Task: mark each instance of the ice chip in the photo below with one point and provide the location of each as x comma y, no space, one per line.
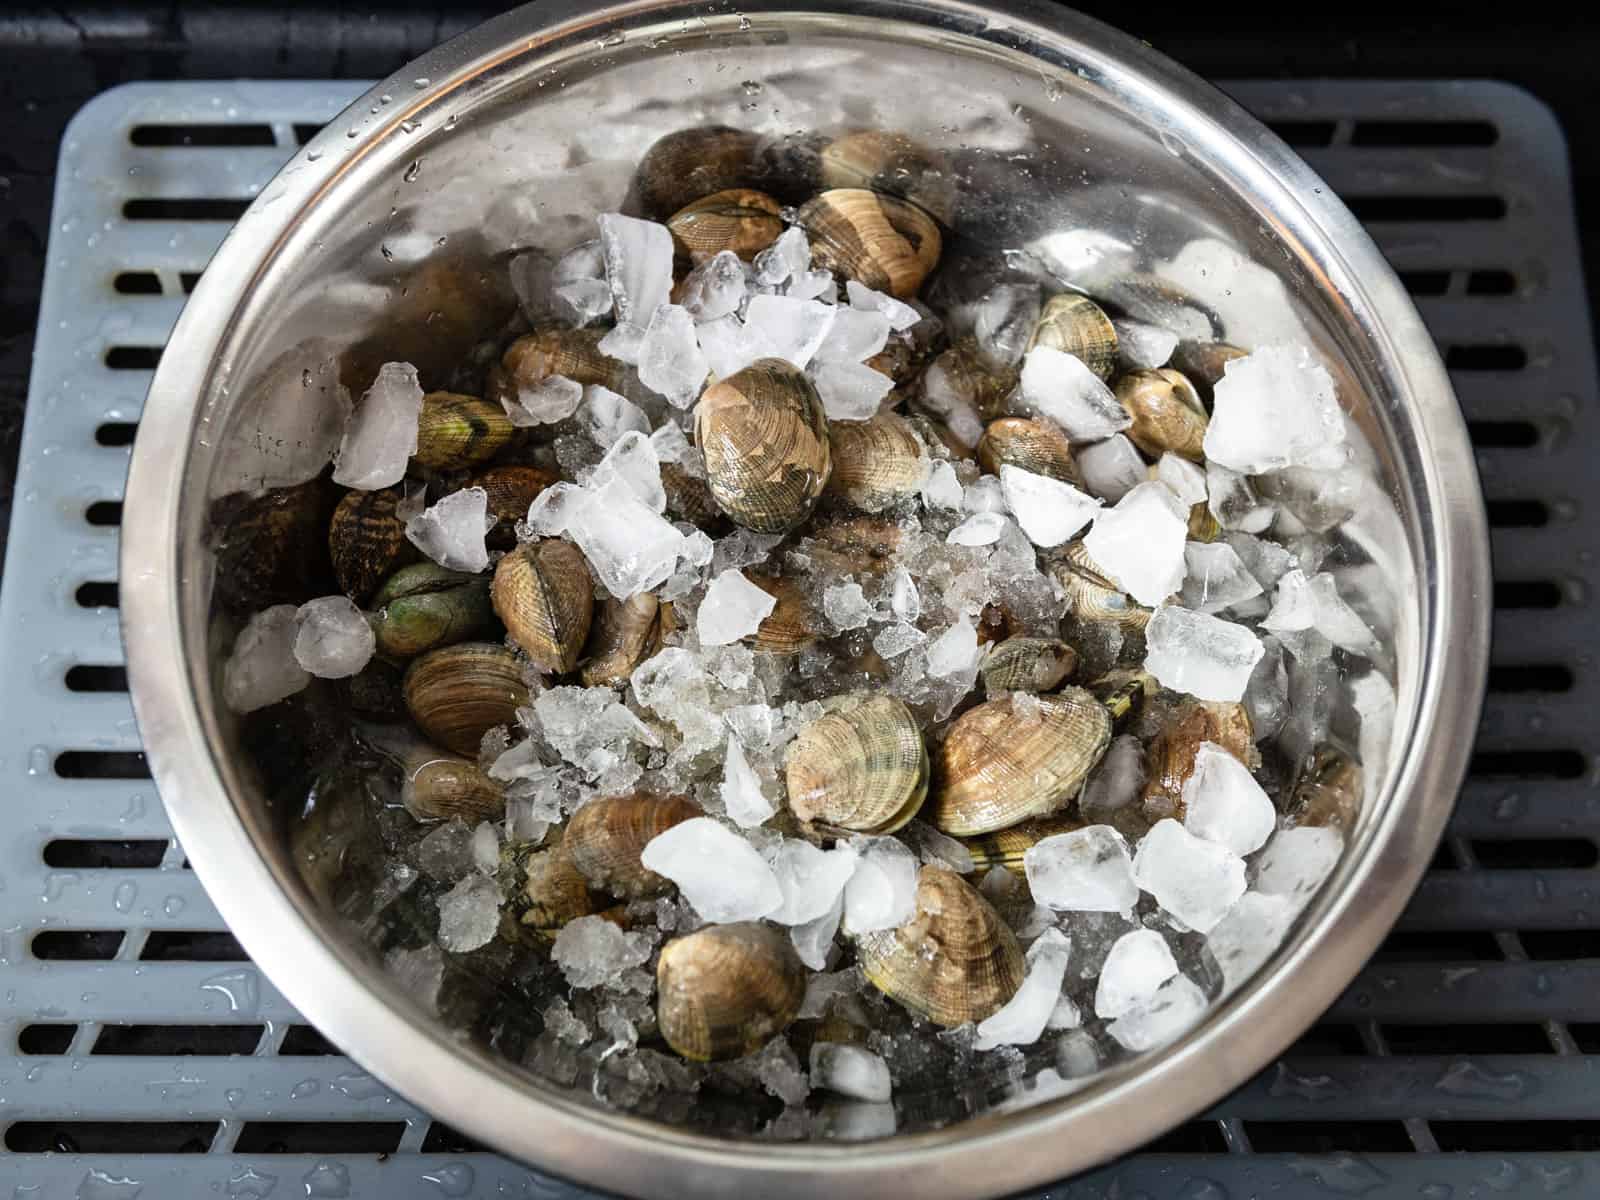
624,342
900,314
1195,880
1224,804
1176,1007
882,892
554,508
812,285
606,416
741,793
787,328
1111,469
854,336
728,346
630,548
632,462
814,939
950,397
1372,697
1140,543
983,495
1294,607
1187,481
582,301
1296,861
586,260
715,288
1267,561
846,606
1215,577
485,847
1205,656
592,952
263,668
469,914
638,261
954,653
670,362
942,489
812,880
1139,962
718,872
894,640
451,532
1087,870
552,399
1023,1018
1116,781
1274,408
849,1071
1061,389
1049,510
849,391
980,529
334,640
1142,346
1247,936
381,434
733,608
1004,321
786,257
1233,500
1337,621
446,853
671,446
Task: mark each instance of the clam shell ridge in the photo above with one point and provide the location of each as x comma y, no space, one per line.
882,241
877,462
863,767
606,836
724,991
458,693
543,593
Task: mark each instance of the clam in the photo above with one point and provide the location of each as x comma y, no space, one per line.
955,961
689,163
877,463
1076,325
689,499
1203,523
884,161
375,691
941,441
1170,754
544,594
455,431
1005,847
765,441
367,542
1028,664
273,548
458,693
997,623
861,767
738,219
438,786
606,836
1002,763
1031,445
543,888
623,635
424,606
510,489
856,543
881,241
961,374
1202,363
572,353
1166,411
898,360
1327,790
1125,692
725,990
791,626
1091,595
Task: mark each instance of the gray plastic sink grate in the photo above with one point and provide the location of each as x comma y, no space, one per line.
143,1055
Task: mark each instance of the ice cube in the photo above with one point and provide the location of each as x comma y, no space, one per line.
850,1071
552,399
1296,861
593,952
983,495
854,1121
1087,870
586,260
1142,346
954,653
485,849
451,531
531,274
901,315
263,668
671,446
630,548
554,508
1176,1007
882,892
846,606
670,362
812,285
1140,543
1294,608
732,609
743,548
1372,697
854,336
715,288
728,346
381,434
1139,962
1004,321
606,416
624,342
1111,469
1205,656
717,871
1224,804
980,529
1049,510
1267,561
1024,1017
1337,621
942,488
1266,696
1195,880
1065,1016
937,848
469,914
1059,388
812,880
849,391
446,853
1247,936
1116,782
814,939
334,640
638,259
787,328
741,793
948,397
1187,481
894,640
1215,577
905,601
1275,408
632,462
786,257
1233,501
582,301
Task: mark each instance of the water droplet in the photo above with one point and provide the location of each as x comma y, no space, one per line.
329,1180
413,171
751,87
1345,1174
100,1185
387,253
421,82
352,132
450,121
313,155
1202,1189
1436,1191
358,1085
33,1074
1468,1079
615,38
123,898
1506,1176
1306,1087
38,761
242,990
306,1087
410,126
385,98
1174,144
744,23
234,1097
1557,1177
251,1183
135,809
173,905
58,882
453,1179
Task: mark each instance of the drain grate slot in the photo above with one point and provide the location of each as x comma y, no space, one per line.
320,1137
110,1137
153,1040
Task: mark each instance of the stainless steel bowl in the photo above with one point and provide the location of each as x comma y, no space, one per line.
385,237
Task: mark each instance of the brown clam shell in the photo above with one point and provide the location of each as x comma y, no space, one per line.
886,243
738,219
1005,847
1203,363
725,990
862,767
624,633
606,836
1166,411
792,624
1031,445
544,594
986,387
456,431
1169,756
689,163
544,890
1076,325
273,548
510,489
885,161
1028,664
1092,596
689,499
367,542
573,353
877,463
438,786
458,693
1327,790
